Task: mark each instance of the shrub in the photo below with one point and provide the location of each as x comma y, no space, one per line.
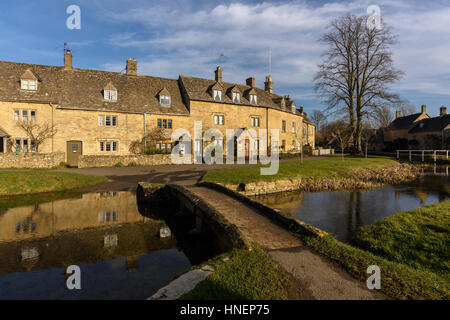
132,164
118,164
151,151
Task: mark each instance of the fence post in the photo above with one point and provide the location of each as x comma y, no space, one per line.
434,155
410,156
398,154
423,156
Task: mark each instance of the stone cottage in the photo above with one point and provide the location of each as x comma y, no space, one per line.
101,113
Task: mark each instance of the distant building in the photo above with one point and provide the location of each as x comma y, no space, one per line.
419,130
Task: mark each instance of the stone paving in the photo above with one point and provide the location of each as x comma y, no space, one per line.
317,277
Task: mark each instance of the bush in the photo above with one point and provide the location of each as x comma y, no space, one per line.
61,165
132,164
118,164
151,151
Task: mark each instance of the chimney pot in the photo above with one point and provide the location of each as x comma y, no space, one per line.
218,73
398,114
131,67
251,82
301,109
424,108
443,111
68,60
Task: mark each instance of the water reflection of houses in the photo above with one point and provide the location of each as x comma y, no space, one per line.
94,227
286,202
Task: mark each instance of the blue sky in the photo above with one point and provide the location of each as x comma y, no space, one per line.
169,38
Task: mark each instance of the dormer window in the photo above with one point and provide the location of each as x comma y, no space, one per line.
217,94
28,81
110,95
293,108
236,97
110,92
26,84
164,97
164,100
253,99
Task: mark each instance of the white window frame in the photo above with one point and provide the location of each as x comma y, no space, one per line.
101,120
256,122
28,84
16,115
164,100
101,146
294,129
25,115
217,93
253,99
236,97
33,117
110,95
219,120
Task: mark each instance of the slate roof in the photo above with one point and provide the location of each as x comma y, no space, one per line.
431,124
404,122
200,90
83,89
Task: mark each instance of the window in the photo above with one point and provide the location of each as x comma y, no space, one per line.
217,95
108,146
28,84
255,121
18,145
236,97
108,121
293,108
32,146
283,145
293,127
164,123
24,115
25,145
110,95
164,100
253,99
16,115
33,115
283,125
219,120
293,144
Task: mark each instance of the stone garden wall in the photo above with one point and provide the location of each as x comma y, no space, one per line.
129,160
31,160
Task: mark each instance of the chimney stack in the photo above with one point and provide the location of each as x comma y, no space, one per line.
67,60
301,109
218,73
424,108
398,114
131,67
250,82
443,111
268,85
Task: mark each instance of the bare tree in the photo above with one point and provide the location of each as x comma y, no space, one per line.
381,116
357,69
318,118
342,133
152,137
37,133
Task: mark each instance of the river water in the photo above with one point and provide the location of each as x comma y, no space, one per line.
342,213
122,253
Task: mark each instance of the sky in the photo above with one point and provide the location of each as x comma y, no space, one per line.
192,37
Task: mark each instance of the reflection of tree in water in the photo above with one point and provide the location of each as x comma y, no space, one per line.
287,202
354,210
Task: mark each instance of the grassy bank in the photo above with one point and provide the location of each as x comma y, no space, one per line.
21,182
249,275
310,169
411,249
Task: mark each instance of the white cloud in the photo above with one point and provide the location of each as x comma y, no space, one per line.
190,40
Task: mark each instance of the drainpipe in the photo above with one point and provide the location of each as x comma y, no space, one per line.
267,131
145,130
53,136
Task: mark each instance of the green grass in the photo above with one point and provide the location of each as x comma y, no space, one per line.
249,275
22,182
419,238
310,169
411,249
